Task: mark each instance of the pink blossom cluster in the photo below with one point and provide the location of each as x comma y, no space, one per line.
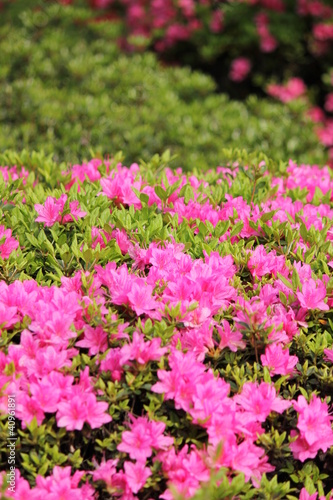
86,171
293,89
214,314
119,183
267,41
7,242
314,428
239,69
14,173
225,419
53,211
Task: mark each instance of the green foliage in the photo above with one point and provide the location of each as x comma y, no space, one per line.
66,88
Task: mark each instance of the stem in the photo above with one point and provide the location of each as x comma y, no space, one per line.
255,347
254,188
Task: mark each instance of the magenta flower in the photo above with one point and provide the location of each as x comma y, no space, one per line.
312,295
61,485
278,360
230,339
46,395
259,400
96,339
27,408
51,211
304,495
329,354
314,425
9,244
82,408
79,173
143,436
118,186
261,262
239,69
75,212
136,475
112,363
140,298
105,471
8,316
142,351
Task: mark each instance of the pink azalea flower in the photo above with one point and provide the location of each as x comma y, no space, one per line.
96,236
259,400
27,408
122,240
9,244
312,295
118,186
293,89
278,360
45,394
180,383
22,489
75,212
314,425
82,408
112,363
140,299
62,485
184,470
240,68
105,471
136,475
261,262
96,339
232,340
8,316
246,458
304,495
329,354
50,212
79,173
143,436
142,351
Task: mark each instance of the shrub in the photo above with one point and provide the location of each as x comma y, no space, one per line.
166,335
66,88
277,39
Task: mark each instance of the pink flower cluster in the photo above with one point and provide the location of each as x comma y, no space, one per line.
314,426
118,185
7,242
14,173
239,69
293,89
104,312
53,211
267,41
61,484
86,171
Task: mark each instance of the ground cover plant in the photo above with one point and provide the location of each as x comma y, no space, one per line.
167,335
67,87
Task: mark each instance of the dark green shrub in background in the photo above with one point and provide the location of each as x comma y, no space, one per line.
66,88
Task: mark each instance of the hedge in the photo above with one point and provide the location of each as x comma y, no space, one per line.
66,88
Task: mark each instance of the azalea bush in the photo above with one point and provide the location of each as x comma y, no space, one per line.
166,335
234,40
67,88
